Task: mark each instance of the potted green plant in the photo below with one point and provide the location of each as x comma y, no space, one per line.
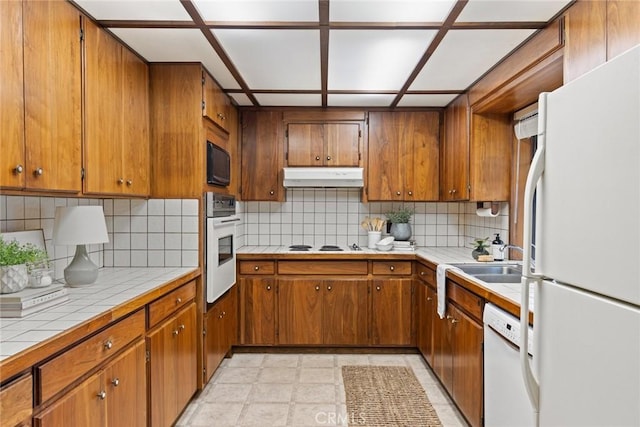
399,219
16,261
480,247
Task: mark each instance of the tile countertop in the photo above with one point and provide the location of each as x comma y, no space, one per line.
112,293
437,255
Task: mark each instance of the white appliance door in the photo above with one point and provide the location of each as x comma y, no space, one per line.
587,358
221,260
588,217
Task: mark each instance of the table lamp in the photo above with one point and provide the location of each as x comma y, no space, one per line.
80,226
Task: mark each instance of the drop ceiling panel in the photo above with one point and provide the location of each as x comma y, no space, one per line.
509,10
464,55
148,10
389,10
374,59
177,45
275,59
289,99
432,100
258,10
241,99
359,100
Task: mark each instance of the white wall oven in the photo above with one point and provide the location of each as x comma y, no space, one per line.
220,268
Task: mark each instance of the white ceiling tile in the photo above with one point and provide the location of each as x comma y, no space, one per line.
258,10
464,55
288,99
389,10
241,99
359,100
177,45
374,59
510,10
426,100
275,59
147,10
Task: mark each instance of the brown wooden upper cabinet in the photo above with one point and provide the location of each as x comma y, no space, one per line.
323,144
215,104
403,156
116,146
41,116
454,152
262,155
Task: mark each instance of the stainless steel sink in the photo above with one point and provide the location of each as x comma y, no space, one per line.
505,273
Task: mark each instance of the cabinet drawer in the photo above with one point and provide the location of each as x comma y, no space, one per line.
328,267
394,268
466,300
169,303
65,369
16,401
426,274
257,267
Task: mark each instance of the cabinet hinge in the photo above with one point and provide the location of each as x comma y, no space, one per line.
81,34
203,78
81,173
204,104
359,156
359,133
204,332
286,155
147,355
286,133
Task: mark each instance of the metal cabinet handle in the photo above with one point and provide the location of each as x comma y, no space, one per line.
256,268
449,317
221,316
450,191
453,191
454,321
328,288
429,298
115,382
178,300
175,332
38,171
108,345
120,181
392,268
411,193
129,182
422,273
317,157
317,288
268,287
328,157
398,193
272,192
102,395
181,327
18,169
378,288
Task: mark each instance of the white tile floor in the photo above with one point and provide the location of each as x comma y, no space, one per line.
296,390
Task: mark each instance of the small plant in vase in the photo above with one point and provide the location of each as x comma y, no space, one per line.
480,247
16,261
399,219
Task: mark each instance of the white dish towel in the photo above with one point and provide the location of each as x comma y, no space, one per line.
441,282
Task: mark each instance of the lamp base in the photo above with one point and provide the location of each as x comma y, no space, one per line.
82,271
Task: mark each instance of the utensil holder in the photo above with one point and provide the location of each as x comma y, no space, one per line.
374,237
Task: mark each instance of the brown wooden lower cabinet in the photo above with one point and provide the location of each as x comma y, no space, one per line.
173,370
113,396
221,330
16,402
426,317
257,310
391,312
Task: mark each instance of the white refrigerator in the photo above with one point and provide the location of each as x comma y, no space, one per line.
586,179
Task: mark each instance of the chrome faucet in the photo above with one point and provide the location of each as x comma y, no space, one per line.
519,249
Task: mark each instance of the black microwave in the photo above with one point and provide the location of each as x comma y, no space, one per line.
218,165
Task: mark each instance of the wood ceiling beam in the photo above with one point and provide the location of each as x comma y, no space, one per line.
215,44
323,9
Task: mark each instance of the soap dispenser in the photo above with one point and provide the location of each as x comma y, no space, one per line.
497,243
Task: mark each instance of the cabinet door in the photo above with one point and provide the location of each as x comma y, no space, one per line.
135,118
258,313
103,146
420,313
585,38
420,134
126,388
215,102
467,365
82,406
305,144
186,356
391,312
342,144
384,174
442,350
221,327
623,26
53,118
12,161
345,313
299,311
262,156
454,152
430,318
163,377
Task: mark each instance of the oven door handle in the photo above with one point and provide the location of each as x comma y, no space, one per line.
224,221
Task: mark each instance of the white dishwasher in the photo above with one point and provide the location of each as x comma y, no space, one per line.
506,402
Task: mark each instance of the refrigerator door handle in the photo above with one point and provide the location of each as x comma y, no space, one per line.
535,173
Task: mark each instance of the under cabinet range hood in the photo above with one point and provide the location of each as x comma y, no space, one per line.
323,177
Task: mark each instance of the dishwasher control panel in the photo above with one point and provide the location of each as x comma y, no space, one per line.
506,325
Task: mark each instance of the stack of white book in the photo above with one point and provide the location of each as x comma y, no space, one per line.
32,300
405,245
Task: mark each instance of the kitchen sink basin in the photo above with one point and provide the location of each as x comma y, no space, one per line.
505,273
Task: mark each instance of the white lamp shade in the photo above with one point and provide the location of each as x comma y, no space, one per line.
79,225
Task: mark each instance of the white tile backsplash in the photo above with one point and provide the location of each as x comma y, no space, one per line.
137,230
